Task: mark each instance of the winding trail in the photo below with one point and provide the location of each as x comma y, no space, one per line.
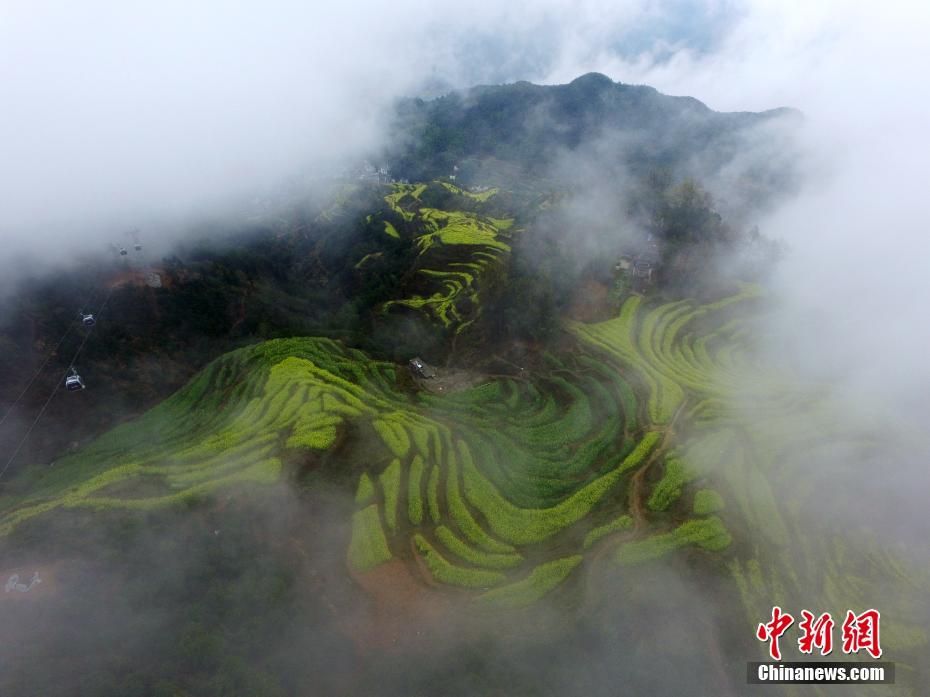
636,505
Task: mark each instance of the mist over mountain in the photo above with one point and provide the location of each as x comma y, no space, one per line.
501,133
324,371
289,266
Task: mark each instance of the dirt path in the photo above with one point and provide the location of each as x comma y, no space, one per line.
636,504
403,611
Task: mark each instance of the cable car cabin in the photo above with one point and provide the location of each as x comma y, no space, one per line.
88,320
123,252
73,382
137,247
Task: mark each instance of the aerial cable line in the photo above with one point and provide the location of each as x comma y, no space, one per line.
48,401
48,357
58,384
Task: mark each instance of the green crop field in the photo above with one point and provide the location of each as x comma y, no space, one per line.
463,483
748,430
451,492
456,250
627,441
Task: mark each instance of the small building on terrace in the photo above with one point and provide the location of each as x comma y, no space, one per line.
624,264
420,369
639,268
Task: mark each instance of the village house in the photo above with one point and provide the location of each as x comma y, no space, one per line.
420,369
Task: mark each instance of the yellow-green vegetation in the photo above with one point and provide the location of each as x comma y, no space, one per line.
502,466
475,556
415,491
534,586
432,495
669,488
623,522
481,486
403,196
481,196
444,572
394,436
390,485
461,515
368,257
625,339
366,490
707,501
458,227
526,526
709,534
220,430
456,248
506,465
368,546
754,429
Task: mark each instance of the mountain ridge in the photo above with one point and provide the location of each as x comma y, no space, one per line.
481,133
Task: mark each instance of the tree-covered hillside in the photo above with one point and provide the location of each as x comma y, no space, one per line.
521,133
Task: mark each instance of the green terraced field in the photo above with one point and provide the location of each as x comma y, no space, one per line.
749,430
481,196
456,250
450,492
465,485
627,443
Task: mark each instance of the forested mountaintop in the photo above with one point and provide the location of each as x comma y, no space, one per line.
497,130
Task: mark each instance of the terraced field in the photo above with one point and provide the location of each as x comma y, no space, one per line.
473,489
751,432
658,434
457,247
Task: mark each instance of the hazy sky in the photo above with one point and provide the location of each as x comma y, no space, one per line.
856,285
117,112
